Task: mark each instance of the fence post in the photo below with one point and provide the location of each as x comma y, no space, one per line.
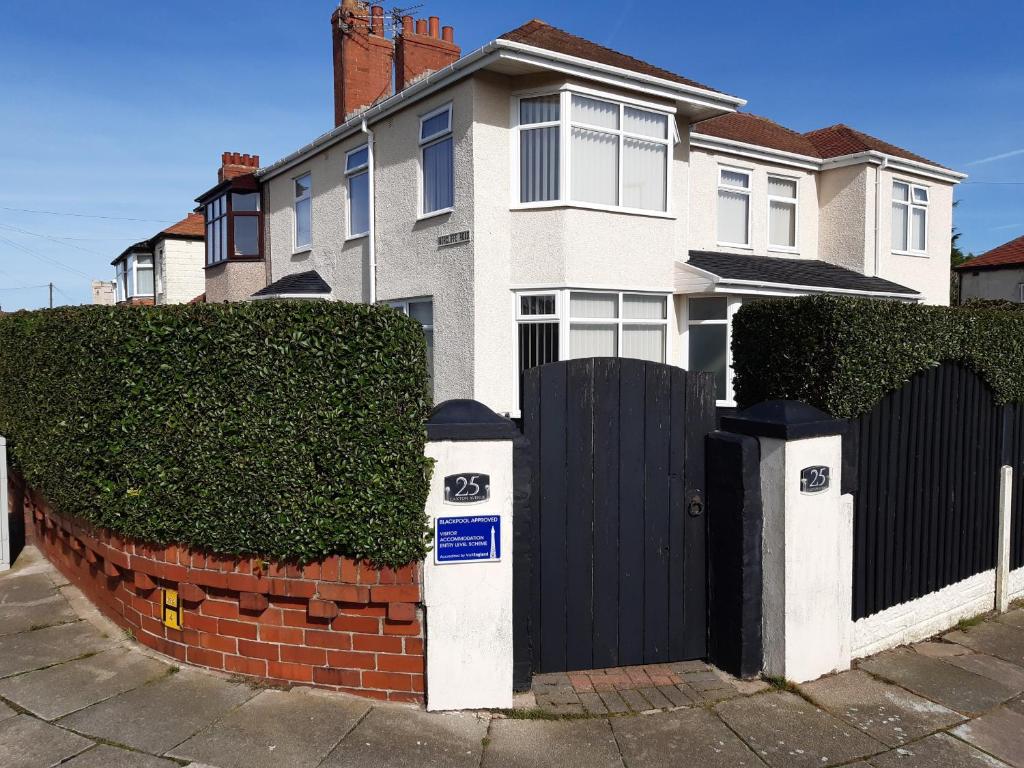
807,541
1002,601
467,576
5,511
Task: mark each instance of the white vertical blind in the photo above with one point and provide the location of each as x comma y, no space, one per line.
438,176
603,114
644,174
899,226
598,340
644,342
733,210
779,187
782,223
645,123
918,229
593,305
595,167
643,307
539,164
541,109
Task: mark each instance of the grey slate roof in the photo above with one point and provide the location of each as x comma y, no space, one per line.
296,283
810,273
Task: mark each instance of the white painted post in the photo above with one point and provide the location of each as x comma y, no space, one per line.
467,577
807,543
1002,601
5,512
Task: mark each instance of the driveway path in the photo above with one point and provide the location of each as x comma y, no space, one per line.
75,691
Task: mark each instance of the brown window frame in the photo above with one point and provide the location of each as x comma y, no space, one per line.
227,217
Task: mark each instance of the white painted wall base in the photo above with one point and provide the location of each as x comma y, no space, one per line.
5,512
922,618
1016,584
469,605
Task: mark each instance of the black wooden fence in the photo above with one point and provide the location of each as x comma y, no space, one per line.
926,480
1013,455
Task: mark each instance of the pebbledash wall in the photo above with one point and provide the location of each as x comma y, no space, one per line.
337,624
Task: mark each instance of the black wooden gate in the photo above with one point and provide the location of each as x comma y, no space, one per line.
616,530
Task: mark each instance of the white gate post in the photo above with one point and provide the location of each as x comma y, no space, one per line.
1002,601
5,512
807,541
467,576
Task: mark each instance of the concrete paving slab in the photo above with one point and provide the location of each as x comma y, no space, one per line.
939,650
296,728
995,639
567,744
22,618
31,650
25,588
937,751
1014,618
685,737
103,756
26,742
64,688
992,668
1016,704
785,730
6,711
408,738
935,679
1000,733
156,717
889,713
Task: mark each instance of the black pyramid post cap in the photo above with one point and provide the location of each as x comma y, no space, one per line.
464,419
783,419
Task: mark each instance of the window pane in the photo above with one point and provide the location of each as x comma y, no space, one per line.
302,185
595,167
593,305
899,191
708,353
222,248
359,204
438,176
643,307
131,279
646,123
538,164
919,220
247,235
145,277
357,159
712,308
542,109
782,224
144,261
644,342
593,340
899,227
735,178
435,125
920,195
303,222
644,174
249,201
781,187
733,208
593,112
423,311
537,305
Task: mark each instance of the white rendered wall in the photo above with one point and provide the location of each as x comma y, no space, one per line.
181,265
1001,283
1016,584
469,605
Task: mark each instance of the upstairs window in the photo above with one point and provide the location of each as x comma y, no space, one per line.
357,165
617,153
303,212
233,225
733,207
436,161
134,276
782,213
909,218
143,264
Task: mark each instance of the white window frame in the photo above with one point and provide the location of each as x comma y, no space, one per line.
566,123
351,173
298,247
402,305
121,281
733,303
426,142
1020,292
911,205
795,202
748,191
134,258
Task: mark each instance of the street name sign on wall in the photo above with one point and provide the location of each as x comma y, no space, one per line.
467,539
456,238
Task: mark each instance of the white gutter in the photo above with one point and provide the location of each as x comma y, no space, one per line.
372,213
897,163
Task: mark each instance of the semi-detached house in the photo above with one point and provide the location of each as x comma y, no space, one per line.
544,198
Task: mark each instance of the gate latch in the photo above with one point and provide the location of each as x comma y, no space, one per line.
696,507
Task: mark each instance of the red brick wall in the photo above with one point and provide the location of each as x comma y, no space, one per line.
362,58
336,624
417,55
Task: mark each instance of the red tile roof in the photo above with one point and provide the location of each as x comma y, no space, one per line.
839,139
1011,253
540,34
753,129
190,226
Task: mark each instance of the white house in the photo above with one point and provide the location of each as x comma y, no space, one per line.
544,197
165,269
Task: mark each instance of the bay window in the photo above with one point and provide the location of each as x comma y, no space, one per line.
782,213
357,164
618,154
234,221
134,275
303,212
733,207
909,218
437,161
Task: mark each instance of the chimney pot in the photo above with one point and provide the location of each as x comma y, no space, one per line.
407,25
421,26
448,34
377,20
423,52
435,26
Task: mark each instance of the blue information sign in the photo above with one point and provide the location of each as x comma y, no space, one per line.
467,539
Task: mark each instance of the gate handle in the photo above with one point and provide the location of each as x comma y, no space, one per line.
696,507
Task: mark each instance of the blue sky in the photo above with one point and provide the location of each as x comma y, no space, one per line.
121,109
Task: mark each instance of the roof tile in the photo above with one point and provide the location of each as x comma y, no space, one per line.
840,139
1011,253
753,129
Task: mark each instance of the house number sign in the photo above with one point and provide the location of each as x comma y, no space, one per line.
467,488
814,479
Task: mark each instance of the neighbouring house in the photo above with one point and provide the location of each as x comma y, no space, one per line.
544,197
103,292
995,274
165,269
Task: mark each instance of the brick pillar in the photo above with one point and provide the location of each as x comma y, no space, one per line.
362,58
422,50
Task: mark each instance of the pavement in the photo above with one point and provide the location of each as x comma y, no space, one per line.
76,691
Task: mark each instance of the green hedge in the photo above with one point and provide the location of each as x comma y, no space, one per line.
843,354
289,430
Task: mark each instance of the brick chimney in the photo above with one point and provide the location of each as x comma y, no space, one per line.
362,57
233,164
422,50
